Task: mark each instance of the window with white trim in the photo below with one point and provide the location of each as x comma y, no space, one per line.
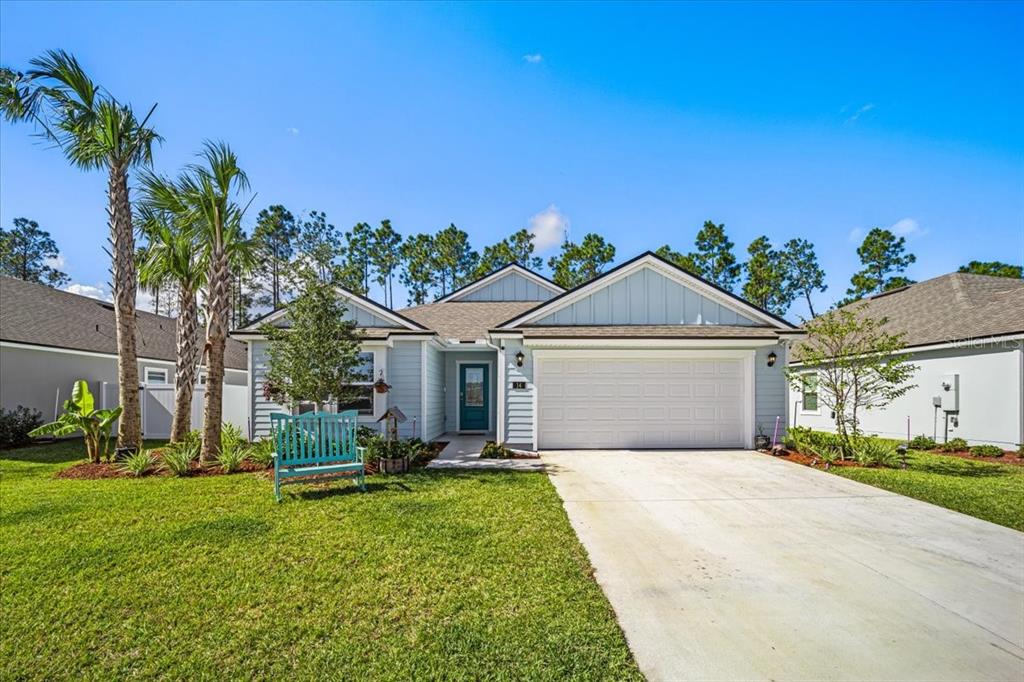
201,379
809,392
155,376
361,392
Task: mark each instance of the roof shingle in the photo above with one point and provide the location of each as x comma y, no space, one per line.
40,315
466,320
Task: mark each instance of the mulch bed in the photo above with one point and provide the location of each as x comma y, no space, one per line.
101,470
1010,458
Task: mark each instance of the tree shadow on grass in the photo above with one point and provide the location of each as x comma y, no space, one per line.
963,470
59,451
322,491
224,529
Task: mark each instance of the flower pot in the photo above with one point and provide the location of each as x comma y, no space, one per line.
761,442
396,465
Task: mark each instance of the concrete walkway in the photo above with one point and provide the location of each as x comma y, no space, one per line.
736,566
463,452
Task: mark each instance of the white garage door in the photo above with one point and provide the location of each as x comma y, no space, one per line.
642,402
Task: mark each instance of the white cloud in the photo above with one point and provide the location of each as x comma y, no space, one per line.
58,263
907,227
292,131
549,228
143,299
856,234
534,58
859,111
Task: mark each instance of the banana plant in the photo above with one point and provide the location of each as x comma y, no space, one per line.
80,414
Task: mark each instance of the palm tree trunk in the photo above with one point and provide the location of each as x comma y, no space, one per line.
188,352
122,239
216,339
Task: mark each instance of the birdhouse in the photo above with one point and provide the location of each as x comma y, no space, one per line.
394,417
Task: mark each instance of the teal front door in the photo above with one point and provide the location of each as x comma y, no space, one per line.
473,397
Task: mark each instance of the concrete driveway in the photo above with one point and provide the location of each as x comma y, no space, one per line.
736,566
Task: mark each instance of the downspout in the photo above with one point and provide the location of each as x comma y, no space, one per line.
499,420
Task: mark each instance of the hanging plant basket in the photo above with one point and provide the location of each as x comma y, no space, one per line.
381,386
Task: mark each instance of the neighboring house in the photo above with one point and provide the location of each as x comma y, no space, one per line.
965,333
644,356
51,338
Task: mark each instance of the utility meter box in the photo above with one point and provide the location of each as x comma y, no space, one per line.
949,392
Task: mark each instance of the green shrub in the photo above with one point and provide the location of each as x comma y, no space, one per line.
922,442
875,452
230,459
177,458
954,445
364,434
15,425
492,450
231,437
827,453
138,463
987,451
262,452
798,438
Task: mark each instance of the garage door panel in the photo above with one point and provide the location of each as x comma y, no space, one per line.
657,402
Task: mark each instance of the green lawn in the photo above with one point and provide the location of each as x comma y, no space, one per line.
468,575
992,492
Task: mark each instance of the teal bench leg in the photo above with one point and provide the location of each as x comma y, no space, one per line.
277,486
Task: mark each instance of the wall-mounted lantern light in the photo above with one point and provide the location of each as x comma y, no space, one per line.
771,359
520,358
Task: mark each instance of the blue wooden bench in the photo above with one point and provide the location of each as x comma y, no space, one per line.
316,444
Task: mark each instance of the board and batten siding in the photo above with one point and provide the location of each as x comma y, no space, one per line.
770,392
434,422
518,426
645,297
510,287
362,316
451,373
405,374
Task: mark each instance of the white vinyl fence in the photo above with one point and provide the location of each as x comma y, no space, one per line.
158,407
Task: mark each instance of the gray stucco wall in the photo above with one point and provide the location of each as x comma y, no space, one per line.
645,297
510,287
452,379
434,423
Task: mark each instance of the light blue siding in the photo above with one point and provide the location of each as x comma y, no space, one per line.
405,375
770,392
509,287
645,297
518,402
363,316
261,407
451,373
434,423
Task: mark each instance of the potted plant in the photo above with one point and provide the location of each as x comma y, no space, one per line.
761,441
393,457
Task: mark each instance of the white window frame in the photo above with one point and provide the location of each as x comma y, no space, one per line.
155,370
373,373
817,392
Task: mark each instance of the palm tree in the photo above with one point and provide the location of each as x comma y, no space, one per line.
174,256
204,195
94,131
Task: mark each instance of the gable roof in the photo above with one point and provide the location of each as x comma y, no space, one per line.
494,276
649,258
466,320
400,321
953,307
39,315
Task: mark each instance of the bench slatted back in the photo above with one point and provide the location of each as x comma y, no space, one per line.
315,437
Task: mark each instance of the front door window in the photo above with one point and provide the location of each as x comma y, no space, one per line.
474,412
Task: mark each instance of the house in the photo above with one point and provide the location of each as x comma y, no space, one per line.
965,334
644,356
51,338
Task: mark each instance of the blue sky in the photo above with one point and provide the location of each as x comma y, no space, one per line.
635,121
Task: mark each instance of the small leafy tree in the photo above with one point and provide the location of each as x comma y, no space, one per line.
858,364
316,358
80,414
